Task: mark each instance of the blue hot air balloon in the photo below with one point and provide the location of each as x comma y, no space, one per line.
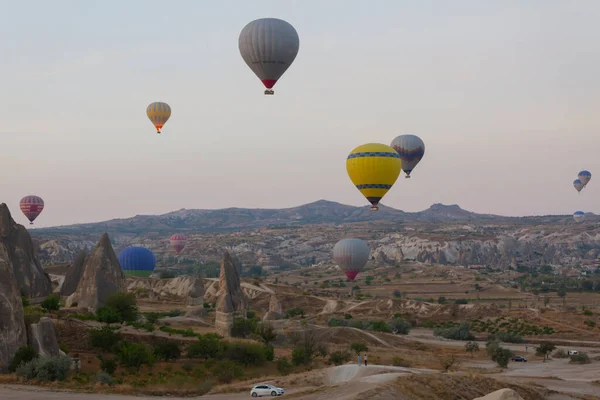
579,216
137,261
584,176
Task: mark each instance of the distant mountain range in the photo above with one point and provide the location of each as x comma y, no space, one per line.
319,212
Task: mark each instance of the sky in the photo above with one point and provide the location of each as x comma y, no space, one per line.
505,95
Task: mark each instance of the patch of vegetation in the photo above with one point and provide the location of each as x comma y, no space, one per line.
105,338
134,355
108,365
471,347
45,369
507,337
461,301
516,326
340,357
167,350
22,356
544,349
294,312
498,354
51,303
461,332
226,371
207,346
124,304
581,358
284,366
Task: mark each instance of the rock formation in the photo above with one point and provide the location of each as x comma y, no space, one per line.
43,338
502,394
19,251
230,298
275,310
101,277
73,275
187,288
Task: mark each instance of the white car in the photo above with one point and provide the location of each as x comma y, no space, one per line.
266,390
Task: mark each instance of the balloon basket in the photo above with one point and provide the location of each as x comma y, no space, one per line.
31,223
407,176
374,208
270,91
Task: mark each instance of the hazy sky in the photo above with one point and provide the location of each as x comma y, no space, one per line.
505,95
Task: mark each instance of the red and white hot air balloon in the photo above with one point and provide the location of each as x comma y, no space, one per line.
178,242
31,206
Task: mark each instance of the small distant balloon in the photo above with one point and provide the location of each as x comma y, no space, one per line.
158,113
31,206
578,185
584,176
269,46
411,149
178,242
373,168
579,216
351,255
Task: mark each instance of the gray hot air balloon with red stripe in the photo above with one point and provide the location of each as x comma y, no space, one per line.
269,46
351,255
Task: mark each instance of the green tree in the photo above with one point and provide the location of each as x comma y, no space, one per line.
359,348
546,301
544,349
562,292
207,346
226,371
124,304
134,355
471,347
51,303
168,350
265,333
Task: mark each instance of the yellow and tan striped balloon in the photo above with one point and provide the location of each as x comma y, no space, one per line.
159,114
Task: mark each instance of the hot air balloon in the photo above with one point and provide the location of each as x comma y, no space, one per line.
159,114
579,216
411,150
269,46
584,176
578,185
31,206
137,261
351,255
178,242
373,168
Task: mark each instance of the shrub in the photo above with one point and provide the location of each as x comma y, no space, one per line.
250,314
104,378
64,348
226,371
269,352
442,300
544,349
400,362
134,355
284,366
51,303
460,332
590,323
507,337
295,312
23,355
207,346
243,327
397,294
246,353
588,313
24,301
108,315
359,348
265,332
560,353
347,316
461,301
124,304
168,350
581,358
174,313
333,322
32,315
108,365
104,338
339,357
400,326
501,356
45,369
152,317
380,326
299,356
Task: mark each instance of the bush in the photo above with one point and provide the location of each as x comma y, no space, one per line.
23,355
397,294
32,315
243,327
167,351
265,332
588,313
207,346
108,315
400,362
152,317
124,304
560,353
339,357
246,354
295,312
51,303
269,352
64,348
400,326
108,365
104,378
442,300
299,356
501,356
134,355
359,348
380,326
105,338
461,301
174,313
460,332
226,371
581,358
45,369
284,366
507,337
24,301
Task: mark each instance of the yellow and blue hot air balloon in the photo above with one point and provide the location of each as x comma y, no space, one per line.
159,114
373,168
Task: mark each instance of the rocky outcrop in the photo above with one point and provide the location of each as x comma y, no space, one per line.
12,325
16,243
73,275
230,298
275,309
43,338
190,289
101,277
502,394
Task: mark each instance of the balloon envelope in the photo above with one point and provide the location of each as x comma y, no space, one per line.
411,149
373,168
31,206
579,216
578,185
158,113
584,176
178,242
137,261
269,46
351,255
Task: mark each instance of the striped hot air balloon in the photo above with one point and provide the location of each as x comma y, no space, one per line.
137,261
411,149
158,113
351,255
178,242
31,206
373,168
269,46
